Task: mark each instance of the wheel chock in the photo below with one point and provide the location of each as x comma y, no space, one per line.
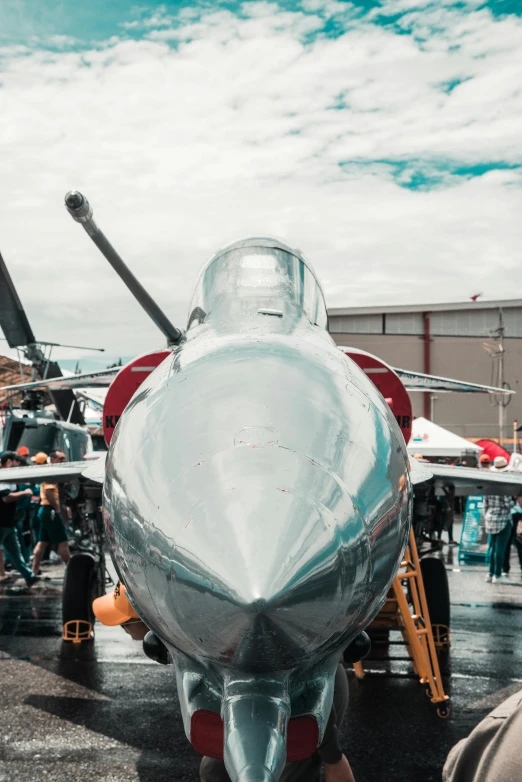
78,631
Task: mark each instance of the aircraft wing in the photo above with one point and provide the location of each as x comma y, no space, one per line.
420,472
469,480
417,381
100,379
64,472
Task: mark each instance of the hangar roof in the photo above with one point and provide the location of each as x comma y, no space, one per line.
437,307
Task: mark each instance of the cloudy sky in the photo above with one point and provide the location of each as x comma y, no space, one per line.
382,137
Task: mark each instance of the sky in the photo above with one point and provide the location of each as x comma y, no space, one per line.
381,137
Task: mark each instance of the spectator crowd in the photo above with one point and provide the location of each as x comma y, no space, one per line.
31,519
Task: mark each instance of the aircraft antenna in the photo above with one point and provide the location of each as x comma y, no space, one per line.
81,211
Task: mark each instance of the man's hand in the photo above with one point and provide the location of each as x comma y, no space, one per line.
338,772
29,492
136,629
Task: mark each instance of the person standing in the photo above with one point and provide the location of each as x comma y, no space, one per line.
497,516
447,513
8,534
23,514
484,462
4,575
506,567
517,540
51,529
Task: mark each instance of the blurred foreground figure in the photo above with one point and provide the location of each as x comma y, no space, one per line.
491,753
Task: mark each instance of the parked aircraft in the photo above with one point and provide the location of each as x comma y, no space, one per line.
30,424
257,501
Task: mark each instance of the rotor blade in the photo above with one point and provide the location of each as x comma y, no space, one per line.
18,332
417,381
101,379
13,319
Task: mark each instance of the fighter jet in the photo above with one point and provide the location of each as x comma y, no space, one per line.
257,500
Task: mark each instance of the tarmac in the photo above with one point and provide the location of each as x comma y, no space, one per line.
103,710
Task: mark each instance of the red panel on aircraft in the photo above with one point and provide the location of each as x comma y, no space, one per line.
207,735
122,388
388,383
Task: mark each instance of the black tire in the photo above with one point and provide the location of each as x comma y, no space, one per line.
379,637
436,588
78,589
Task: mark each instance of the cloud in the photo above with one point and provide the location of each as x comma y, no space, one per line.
388,149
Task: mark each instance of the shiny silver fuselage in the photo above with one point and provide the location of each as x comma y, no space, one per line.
257,488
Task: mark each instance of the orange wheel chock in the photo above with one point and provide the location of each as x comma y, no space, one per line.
77,631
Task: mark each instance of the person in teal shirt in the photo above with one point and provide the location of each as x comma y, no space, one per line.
25,510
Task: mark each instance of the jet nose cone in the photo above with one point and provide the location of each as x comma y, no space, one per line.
266,553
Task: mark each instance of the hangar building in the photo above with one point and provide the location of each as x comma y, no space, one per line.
457,340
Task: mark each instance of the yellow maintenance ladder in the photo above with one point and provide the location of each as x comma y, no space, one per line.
415,626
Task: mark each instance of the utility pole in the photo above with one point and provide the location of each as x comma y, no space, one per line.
497,353
501,406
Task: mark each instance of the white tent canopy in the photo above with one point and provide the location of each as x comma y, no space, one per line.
429,439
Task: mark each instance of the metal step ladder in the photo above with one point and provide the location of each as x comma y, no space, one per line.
413,621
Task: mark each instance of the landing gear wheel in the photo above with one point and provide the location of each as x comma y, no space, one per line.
78,592
443,712
436,587
379,637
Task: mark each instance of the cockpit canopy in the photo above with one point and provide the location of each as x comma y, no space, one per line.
263,271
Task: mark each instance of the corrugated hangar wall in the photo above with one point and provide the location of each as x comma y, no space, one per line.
457,350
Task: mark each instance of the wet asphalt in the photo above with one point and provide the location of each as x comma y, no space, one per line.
103,710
